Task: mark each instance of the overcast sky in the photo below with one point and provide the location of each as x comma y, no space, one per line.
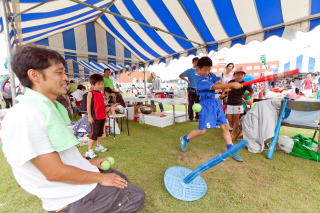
275,48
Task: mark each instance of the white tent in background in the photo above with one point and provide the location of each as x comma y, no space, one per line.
305,64
141,33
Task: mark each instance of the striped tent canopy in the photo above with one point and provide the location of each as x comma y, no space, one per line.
144,32
304,63
100,67
129,85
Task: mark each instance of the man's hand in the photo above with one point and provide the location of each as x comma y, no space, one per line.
235,85
188,82
114,180
97,162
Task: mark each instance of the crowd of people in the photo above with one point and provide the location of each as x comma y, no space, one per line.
48,161
220,99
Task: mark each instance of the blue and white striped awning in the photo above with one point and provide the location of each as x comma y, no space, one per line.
167,28
305,64
129,85
99,68
90,67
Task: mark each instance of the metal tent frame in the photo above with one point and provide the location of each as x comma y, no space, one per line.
203,45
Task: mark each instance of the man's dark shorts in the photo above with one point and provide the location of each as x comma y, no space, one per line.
105,199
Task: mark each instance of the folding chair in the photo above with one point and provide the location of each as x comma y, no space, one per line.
117,116
304,106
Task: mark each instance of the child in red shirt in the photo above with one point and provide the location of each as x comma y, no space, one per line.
96,114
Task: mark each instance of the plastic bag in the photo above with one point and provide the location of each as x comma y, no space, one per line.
117,132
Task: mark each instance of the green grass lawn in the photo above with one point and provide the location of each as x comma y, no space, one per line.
283,184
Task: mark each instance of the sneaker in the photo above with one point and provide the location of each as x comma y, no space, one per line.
183,144
90,154
237,157
100,148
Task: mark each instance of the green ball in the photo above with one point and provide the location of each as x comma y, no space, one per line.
111,160
196,107
105,165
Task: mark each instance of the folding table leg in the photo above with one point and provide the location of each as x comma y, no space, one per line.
114,127
314,135
109,129
121,124
128,123
319,141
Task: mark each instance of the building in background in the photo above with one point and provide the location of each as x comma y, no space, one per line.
255,68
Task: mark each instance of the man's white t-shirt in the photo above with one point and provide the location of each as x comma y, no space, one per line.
24,137
78,95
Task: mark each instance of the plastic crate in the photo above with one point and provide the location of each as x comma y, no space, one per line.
180,116
156,120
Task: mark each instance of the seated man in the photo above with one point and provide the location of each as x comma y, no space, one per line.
42,152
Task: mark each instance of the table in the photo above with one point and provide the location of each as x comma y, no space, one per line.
173,102
168,101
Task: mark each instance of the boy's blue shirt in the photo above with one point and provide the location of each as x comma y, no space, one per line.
204,83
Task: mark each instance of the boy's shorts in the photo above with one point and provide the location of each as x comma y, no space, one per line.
97,129
231,110
211,114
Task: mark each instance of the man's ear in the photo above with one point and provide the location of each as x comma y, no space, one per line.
34,75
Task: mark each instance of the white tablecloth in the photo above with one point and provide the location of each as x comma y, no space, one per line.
170,101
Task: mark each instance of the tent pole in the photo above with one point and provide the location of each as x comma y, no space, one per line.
135,21
105,9
144,80
31,8
9,49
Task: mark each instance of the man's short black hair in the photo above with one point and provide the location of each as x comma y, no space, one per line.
105,70
72,81
95,78
32,57
80,87
230,64
204,62
195,59
108,90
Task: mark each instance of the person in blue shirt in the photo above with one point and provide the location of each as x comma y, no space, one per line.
190,77
211,114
